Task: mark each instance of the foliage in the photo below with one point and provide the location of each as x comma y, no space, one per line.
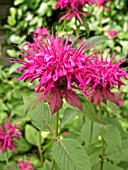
85,139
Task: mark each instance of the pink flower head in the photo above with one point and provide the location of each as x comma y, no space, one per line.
112,33
26,165
74,8
102,3
7,135
102,77
58,67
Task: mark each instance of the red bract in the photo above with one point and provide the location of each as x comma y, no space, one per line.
102,77
74,8
58,66
26,165
7,135
112,33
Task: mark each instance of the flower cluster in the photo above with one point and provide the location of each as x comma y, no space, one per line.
7,135
26,165
61,68
74,8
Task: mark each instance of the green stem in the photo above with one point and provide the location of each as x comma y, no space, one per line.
56,134
91,134
57,122
102,156
77,27
83,119
100,113
40,150
6,158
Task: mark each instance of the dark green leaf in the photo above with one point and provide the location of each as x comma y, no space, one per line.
111,136
70,155
42,118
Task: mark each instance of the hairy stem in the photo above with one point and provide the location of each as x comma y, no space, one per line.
102,156
100,113
6,158
83,119
56,134
40,150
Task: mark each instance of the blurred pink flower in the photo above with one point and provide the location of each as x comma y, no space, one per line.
102,3
26,165
102,77
7,135
57,65
74,8
41,32
112,33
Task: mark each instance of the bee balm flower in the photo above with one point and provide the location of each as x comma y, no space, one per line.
57,66
74,8
102,77
7,135
26,165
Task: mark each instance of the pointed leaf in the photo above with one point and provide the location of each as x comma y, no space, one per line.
111,136
42,118
32,135
96,40
29,102
70,155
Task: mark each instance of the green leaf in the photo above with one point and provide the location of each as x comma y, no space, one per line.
70,155
90,111
108,166
23,146
12,53
17,2
32,135
41,117
43,8
116,155
69,114
96,40
93,153
2,156
85,132
112,136
29,102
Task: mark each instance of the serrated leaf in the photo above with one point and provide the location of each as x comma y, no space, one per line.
96,40
42,118
85,132
70,155
29,102
32,135
93,153
116,155
112,136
